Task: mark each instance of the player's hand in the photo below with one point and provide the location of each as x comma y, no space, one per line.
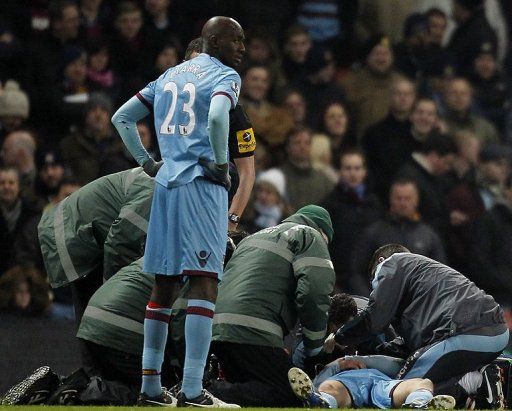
151,167
218,173
329,344
350,364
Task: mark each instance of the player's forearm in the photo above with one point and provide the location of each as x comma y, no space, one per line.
246,173
125,121
218,126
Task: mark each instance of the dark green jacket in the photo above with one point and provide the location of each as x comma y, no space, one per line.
103,224
276,276
115,314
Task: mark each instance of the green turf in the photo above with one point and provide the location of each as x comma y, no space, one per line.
86,408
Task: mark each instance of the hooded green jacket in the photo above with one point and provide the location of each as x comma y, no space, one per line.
276,276
101,225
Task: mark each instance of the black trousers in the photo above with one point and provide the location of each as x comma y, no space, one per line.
256,376
82,291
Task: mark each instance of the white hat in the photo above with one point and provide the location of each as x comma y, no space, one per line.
275,177
13,101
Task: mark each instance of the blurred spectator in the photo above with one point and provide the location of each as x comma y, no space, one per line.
132,50
296,46
472,30
352,207
95,19
417,57
490,257
426,168
494,168
368,88
17,214
319,86
468,200
262,158
437,22
68,186
50,173
16,17
468,149
11,52
45,56
148,141
330,23
387,144
458,99
24,291
166,57
295,103
260,49
14,108
94,150
269,207
493,89
424,120
270,122
336,126
494,12
164,25
74,88
18,151
321,156
402,225
100,75
382,16
304,184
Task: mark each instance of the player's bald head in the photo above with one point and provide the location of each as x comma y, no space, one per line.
219,26
223,38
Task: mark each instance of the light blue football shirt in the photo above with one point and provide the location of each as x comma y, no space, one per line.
180,100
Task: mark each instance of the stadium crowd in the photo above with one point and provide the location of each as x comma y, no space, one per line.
394,116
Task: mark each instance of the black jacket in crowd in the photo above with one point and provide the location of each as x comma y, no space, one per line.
491,254
350,214
414,234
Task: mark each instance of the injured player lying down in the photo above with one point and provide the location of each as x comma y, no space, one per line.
365,387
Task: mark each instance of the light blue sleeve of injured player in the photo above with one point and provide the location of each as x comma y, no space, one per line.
218,126
125,121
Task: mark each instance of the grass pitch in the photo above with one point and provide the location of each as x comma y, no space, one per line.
105,408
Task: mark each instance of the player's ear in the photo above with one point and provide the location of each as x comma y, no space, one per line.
214,41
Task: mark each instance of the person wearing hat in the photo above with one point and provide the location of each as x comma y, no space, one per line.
276,277
368,87
50,172
93,150
269,206
492,87
14,108
473,29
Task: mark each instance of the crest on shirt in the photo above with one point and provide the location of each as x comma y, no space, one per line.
235,87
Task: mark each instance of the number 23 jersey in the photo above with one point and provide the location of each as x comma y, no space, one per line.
180,100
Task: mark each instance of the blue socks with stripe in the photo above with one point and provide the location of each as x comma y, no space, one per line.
198,335
156,326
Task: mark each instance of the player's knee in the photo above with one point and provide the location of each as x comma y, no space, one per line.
203,288
425,383
329,388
